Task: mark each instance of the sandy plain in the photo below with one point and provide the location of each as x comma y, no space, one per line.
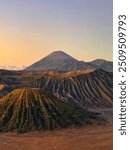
93,137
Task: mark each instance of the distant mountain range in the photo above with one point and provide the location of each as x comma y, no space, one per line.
60,61
12,67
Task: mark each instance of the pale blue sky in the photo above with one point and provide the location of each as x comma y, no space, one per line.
31,29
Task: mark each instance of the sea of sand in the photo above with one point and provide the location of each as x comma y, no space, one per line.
94,137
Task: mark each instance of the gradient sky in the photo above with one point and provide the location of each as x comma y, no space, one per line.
31,29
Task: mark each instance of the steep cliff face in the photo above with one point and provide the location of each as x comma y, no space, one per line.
91,88
29,109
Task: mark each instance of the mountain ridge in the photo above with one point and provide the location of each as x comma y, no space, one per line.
30,109
60,61
89,88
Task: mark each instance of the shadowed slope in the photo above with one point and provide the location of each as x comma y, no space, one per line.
60,61
103,64
90,88
4,89
32,109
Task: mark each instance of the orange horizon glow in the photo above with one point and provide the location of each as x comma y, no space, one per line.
30,32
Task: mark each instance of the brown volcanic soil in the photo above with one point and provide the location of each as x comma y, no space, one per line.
85,138
89,88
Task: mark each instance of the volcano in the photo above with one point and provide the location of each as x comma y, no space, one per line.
60,61
29,109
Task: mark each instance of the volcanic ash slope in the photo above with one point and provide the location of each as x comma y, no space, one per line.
90,88
29,109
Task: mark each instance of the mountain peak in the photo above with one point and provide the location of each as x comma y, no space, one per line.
60,61
59,55
57,60
58,52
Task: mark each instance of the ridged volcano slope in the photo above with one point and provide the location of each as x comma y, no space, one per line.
32,109
89,88
4,89
93,89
